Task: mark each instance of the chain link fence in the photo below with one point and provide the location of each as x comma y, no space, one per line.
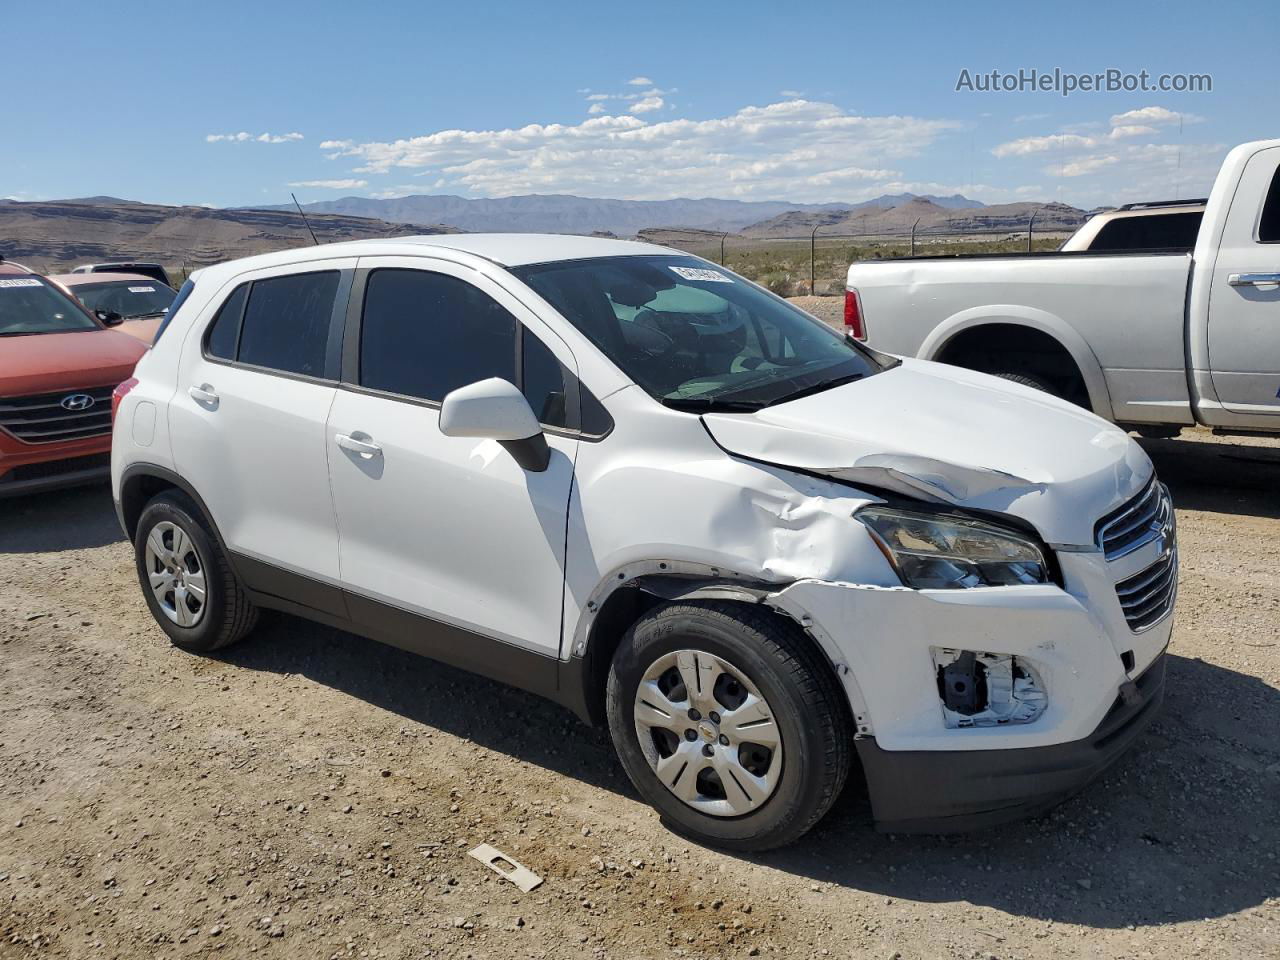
816,263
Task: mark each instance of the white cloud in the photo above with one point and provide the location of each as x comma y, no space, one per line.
596,108
640,82
798,150
647,105
1068,141
1087,165
1121,160
244,136
791,94
348,184
1153,115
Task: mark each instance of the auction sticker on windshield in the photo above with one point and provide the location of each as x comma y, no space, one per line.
699,273
20,282
142,289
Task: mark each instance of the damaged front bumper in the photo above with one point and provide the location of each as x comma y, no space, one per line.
1085,684
935,791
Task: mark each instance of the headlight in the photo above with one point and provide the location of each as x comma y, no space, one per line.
937,552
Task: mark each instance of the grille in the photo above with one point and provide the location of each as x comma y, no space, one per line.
1147,596
41,418
1145,518
56,468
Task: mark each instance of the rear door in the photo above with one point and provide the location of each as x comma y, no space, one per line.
448,529
255,384
1244,300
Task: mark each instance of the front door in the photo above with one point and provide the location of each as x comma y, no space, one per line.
1244,300
452,532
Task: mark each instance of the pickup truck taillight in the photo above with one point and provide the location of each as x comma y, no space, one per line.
118,394
854,323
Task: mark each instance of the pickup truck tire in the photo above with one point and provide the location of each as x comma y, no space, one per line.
177,558
782,769
1028,380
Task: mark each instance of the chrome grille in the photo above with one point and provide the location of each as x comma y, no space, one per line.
1147,596
43,418
1145,518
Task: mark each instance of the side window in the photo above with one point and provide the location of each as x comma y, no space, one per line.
544,382
424,334
1269,226
225,329
1165,231
286,322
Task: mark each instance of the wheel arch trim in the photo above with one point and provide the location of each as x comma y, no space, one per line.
1068,338
666,581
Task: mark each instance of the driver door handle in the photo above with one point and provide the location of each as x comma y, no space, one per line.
365,448
1252,279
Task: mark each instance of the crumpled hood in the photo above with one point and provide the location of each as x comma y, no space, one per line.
48,362
953,436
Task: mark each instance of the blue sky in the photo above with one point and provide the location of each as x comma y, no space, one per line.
239,103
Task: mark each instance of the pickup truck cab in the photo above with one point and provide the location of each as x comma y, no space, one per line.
1163,225
58,367
640,485
1150,339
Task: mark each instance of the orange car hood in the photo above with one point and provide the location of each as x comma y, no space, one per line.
48,362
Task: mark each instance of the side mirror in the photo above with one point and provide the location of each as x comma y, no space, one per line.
109,317
494,409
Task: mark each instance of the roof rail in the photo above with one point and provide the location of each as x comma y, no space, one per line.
1163,203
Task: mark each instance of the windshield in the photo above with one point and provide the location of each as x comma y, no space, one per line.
29,305
129,298
696,336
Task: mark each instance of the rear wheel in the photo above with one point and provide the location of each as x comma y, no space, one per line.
1028,380
186,579
729,722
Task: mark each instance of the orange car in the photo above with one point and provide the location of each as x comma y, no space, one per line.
141,302
59,364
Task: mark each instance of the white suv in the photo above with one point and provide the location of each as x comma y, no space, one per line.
631,481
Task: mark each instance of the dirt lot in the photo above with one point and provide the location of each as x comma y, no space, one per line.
311,794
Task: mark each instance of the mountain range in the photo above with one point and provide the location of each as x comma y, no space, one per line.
563,213
57,234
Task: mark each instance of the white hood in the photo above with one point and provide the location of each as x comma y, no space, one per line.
949,435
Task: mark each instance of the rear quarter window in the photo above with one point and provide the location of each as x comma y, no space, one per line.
174,307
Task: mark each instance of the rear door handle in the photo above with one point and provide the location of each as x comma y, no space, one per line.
365,448
1252,279
204,395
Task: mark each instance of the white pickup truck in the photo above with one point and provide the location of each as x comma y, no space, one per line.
1154,340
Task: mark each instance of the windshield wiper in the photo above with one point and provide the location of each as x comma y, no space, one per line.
143,316
815,388
711,404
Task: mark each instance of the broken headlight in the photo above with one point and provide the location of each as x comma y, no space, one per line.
936,552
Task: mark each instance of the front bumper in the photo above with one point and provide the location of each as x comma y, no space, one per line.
940,791
33,468
924,771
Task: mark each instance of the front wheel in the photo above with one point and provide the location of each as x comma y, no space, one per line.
730,722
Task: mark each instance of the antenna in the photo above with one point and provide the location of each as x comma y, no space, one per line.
305,220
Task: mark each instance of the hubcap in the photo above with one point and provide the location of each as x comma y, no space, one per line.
707,733
176,574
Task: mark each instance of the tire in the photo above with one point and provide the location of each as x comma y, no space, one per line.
1029,380
173,537
761,654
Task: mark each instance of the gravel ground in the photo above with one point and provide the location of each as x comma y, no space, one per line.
311,794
